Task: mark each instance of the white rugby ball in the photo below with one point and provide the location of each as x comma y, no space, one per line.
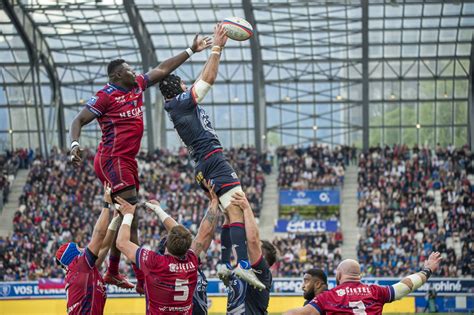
238,28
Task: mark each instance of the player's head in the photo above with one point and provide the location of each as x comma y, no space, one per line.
171,86
66,254
269,252
120,72
179,241
315,281
348,270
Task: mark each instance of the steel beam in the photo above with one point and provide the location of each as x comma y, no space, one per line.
365,75
258,82
471,97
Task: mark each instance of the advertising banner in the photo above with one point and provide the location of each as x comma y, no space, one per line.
306,226
330,197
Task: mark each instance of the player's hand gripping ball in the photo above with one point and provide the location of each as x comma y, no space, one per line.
238,28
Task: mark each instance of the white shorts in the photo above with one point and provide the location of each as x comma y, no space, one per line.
227,197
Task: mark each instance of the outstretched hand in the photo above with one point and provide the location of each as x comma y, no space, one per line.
210,193
239,199
220,35
125,207
107,193
76,156
433,261
200,43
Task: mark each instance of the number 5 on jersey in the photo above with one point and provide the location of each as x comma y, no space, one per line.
358,307
181,286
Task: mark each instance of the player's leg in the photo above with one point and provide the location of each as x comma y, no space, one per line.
224,269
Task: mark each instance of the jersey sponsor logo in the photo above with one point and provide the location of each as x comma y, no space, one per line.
72,307
341,292
92,101
120,99
182,267
136,112
234,175
184,309
353,291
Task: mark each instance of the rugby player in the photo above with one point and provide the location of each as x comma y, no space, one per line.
85,288
118,110
351,296
200,302
315,281
171,278
196,132
241,297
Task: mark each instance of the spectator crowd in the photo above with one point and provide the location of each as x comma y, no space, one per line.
61,203
413,202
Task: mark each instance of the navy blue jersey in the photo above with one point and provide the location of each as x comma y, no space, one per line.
243,298
200,295
193,125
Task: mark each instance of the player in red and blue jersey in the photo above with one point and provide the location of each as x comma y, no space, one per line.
85,288
170,279
351,296
195,130
118,108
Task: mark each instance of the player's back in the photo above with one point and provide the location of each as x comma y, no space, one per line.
169,282
353,298
192,125
85,288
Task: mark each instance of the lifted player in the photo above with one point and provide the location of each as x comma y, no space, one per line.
241,297
200,302
353,297
195,130
171,278
85,288
118,110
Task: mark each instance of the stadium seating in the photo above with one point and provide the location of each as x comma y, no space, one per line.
313,167
412,202
61,203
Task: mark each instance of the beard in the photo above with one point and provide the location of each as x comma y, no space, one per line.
308,295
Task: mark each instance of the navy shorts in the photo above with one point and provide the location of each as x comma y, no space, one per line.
218,169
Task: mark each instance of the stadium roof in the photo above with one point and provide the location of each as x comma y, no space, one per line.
341,72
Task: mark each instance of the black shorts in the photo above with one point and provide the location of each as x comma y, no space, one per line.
218,169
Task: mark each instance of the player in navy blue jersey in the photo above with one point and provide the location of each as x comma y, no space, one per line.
241,297
196,132
208,224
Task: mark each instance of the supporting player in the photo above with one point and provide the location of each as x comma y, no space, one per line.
85,288
196,132
353,297
315,281
241,297
118,110
200,302
171,278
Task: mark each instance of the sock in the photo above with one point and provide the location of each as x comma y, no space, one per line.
226,246
114,262
138,274
239,242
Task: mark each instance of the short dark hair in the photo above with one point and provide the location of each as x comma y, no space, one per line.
318,273
179,241
113,65
269,252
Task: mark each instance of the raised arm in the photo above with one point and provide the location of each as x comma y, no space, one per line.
205,234
251,228
124,244
100,228
166,67
416,280
109,238
168,222
209,72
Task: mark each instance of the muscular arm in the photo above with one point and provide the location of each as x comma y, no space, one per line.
124,244
84,117
166,67
109,238
205,234
168,222
99,233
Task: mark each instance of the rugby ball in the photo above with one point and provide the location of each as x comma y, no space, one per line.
238,28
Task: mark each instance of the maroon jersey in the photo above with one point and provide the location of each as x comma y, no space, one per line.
120,116
353,298
85,288
169,281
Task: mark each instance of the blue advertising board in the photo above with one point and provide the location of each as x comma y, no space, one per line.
306,226
281,286
330,197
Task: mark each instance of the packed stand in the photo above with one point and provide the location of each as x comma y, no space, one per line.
61,203
302,252
413,202
313,167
